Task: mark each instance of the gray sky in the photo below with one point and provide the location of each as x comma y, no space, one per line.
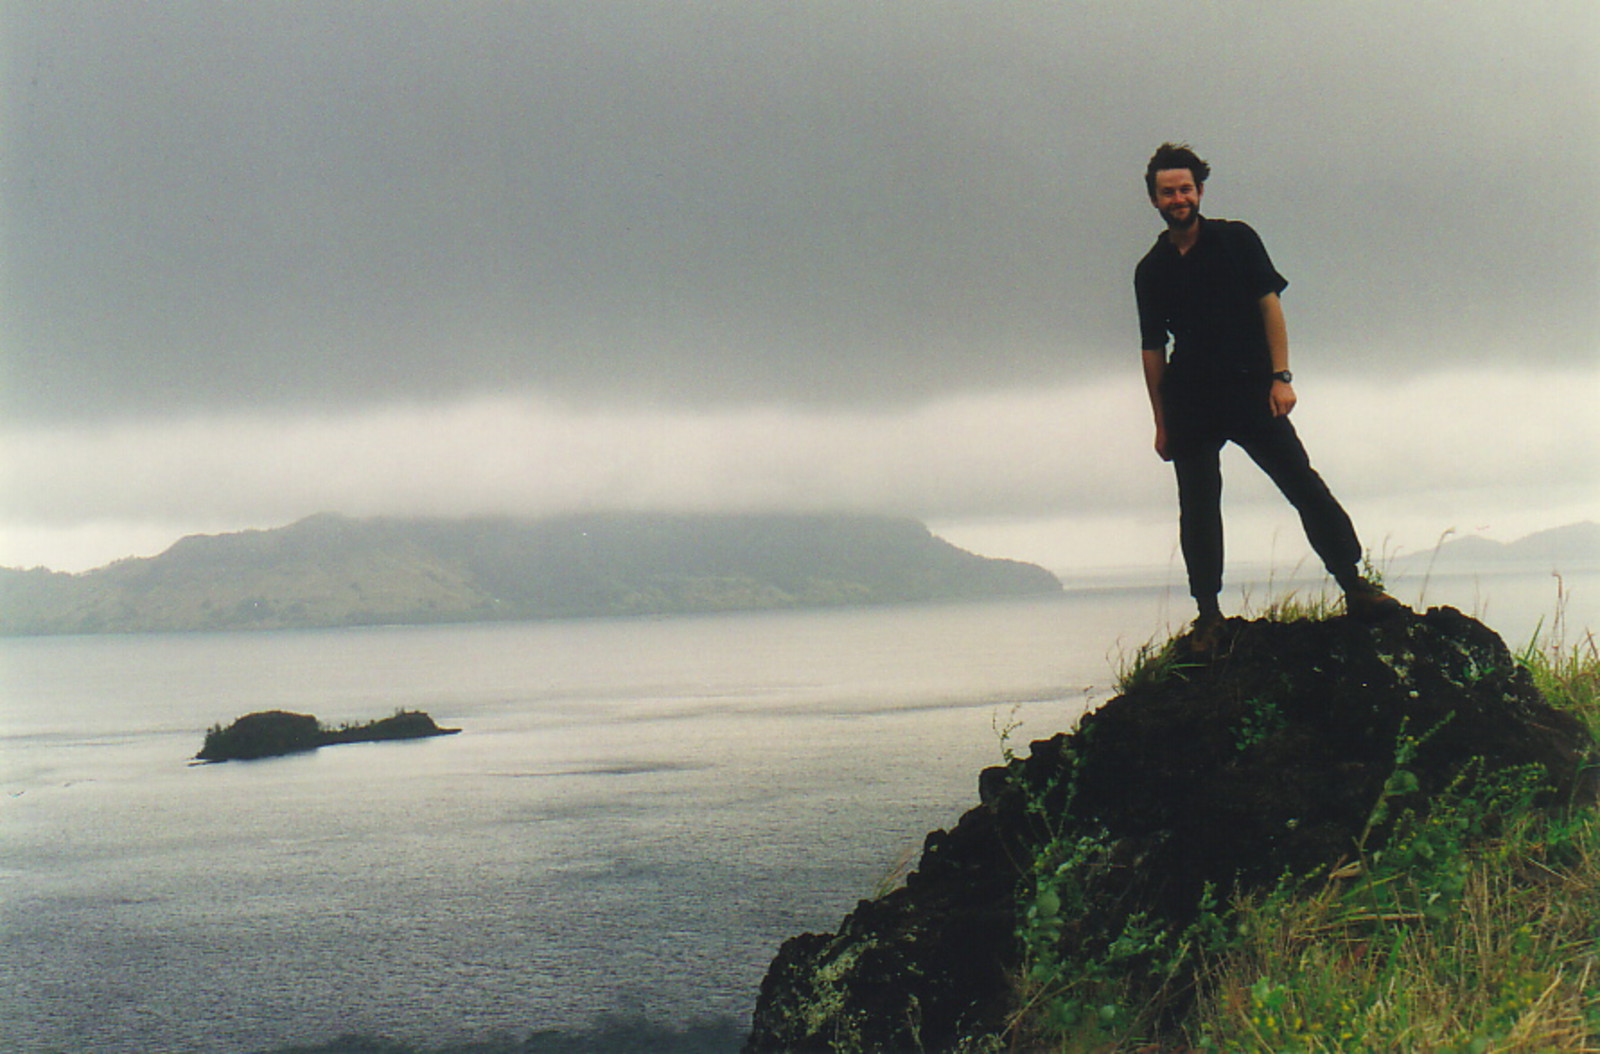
263,260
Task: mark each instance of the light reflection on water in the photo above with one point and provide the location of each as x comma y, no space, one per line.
638,812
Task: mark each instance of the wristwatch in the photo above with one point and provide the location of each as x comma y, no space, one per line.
1285,376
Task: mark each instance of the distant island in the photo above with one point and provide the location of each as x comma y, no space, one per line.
273,733
328,570
1575,545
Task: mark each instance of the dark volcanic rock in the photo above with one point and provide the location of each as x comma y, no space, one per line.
1267,759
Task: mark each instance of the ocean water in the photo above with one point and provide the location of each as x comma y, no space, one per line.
637,813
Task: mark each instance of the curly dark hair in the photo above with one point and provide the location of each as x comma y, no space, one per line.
1175,155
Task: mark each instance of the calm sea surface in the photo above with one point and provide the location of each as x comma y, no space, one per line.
637,814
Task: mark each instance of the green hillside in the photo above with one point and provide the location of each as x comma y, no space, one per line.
332,571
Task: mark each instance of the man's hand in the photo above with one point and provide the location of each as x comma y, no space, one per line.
1282,398
1161,442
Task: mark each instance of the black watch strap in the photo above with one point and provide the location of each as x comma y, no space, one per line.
1285,376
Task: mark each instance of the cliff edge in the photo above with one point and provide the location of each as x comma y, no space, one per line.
1299,748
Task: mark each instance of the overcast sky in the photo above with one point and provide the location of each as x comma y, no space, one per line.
263,260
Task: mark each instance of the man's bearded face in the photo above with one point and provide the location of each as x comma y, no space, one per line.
1177,197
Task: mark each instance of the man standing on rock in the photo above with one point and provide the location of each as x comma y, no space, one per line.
1210,284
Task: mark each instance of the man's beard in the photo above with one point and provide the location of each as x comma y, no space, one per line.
1186,222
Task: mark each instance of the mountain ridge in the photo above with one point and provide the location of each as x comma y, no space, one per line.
329,570
1572,542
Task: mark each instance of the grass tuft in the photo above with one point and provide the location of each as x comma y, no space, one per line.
1150,664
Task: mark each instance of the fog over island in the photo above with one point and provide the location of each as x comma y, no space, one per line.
429,259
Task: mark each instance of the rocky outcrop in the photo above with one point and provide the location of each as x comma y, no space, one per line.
1269,758
272,733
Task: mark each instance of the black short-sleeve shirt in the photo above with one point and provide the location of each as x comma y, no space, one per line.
1208,299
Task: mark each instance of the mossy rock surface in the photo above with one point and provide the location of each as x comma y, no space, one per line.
1267,758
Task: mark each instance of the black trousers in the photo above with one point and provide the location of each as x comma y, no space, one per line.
1200,421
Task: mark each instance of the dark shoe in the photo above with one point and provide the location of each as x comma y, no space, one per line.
1367,603
1205,634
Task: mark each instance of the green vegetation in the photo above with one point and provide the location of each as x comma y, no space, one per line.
1472,926
1150,664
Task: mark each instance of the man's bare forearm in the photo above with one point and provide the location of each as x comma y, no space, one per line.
1283,395
1155,367
1277,331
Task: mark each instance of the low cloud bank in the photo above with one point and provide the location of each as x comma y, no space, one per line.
1469,451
